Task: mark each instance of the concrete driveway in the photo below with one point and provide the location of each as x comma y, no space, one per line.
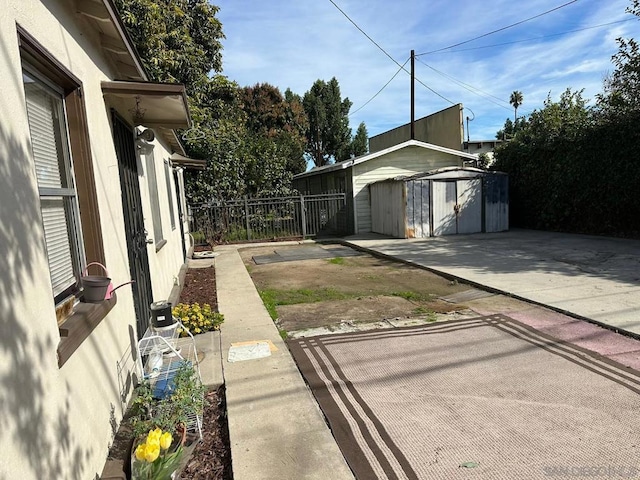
597,278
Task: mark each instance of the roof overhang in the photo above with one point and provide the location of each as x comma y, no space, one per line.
154,105
187,162
103,18
379,153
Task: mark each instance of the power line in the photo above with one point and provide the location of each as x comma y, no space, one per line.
387,54
365,33
379,91
534,38
498,30
468,87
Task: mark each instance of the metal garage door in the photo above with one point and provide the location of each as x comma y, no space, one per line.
457,206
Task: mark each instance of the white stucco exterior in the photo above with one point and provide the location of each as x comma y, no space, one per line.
58,422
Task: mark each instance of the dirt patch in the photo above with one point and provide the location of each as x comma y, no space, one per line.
375,289
211,458
200,287
362,309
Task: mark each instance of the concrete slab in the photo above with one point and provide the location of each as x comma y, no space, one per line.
596,278
276,428
210,358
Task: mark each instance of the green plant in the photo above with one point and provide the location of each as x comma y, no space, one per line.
406,295
155,459
284,335
269,300
421,311
197,319
184,398
199,237
337,261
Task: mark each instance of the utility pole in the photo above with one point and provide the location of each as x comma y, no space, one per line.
413,95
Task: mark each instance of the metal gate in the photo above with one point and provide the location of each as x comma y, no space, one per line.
133,221
271,218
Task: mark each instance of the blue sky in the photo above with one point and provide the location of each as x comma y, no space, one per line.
292,43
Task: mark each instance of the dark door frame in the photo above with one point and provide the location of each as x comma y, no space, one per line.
124,140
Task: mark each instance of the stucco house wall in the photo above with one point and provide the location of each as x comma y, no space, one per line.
58,421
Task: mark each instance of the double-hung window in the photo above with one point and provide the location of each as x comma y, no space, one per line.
46,114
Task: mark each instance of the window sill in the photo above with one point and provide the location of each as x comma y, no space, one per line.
160,244
85,318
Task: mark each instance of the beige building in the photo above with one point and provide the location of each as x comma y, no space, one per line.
86,174
443,128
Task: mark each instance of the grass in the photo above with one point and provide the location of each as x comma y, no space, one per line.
284,335
272,298
337,261
413,296
269,301
421,311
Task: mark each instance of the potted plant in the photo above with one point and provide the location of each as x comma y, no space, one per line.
167,415
157,458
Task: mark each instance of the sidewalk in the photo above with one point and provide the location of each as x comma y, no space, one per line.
275,425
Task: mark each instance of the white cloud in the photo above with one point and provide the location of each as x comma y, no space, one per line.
291,43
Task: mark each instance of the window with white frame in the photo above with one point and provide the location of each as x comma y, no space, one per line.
167,177
56,185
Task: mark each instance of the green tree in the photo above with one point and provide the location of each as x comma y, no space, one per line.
622,88
360,142
280,119
509,130
328,134
178,40
516,99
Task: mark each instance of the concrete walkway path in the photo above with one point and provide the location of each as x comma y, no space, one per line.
276,427
596,278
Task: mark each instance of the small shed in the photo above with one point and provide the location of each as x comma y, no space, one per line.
353,176
446,201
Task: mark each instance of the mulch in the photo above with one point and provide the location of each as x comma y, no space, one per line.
211,458
200,287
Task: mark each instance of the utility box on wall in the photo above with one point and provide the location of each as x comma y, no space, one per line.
446,201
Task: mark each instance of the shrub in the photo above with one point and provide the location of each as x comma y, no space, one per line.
197,319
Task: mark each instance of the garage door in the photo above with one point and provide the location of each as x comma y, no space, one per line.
457,206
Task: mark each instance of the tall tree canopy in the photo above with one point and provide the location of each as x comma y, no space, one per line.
252,138
515,100
178,40
328,134
360,142
621,94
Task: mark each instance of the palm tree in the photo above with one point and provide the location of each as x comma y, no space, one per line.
516,100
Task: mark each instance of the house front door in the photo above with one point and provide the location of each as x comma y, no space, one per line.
123,137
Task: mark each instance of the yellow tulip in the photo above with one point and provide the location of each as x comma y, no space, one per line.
151,452
154,435
165,440
140,451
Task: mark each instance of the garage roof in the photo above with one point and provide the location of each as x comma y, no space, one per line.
370,156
